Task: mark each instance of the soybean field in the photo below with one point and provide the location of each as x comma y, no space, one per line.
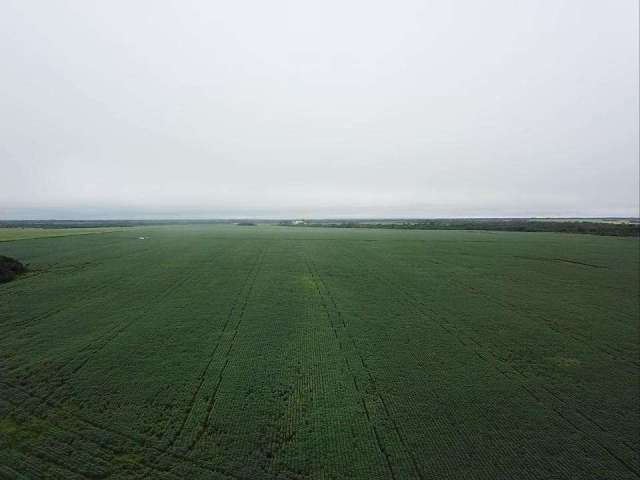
271,352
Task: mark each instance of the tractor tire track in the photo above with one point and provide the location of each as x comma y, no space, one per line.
139,441
105,341
99,345
378,441
213,397
521,378
89,292
247,285
515,309
320,286
608,350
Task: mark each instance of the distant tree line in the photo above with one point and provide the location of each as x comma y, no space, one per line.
110,223
611,228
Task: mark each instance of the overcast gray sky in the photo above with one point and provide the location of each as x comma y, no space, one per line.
315,109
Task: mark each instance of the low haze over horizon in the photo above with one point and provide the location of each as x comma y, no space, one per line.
319,110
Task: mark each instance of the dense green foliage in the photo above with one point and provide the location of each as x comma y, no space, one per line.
616,228
221,352
10,268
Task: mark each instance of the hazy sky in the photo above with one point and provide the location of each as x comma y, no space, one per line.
326,108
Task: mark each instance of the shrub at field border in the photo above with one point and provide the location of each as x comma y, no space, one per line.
10,268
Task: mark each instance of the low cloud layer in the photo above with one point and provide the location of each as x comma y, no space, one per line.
274,109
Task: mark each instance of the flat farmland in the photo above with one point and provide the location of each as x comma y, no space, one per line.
222,351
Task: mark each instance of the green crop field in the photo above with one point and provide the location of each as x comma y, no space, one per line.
221,351
21,233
